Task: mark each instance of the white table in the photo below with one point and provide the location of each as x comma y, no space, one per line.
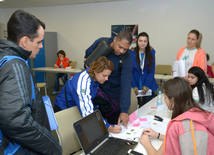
159,77
167,77
211,80
147,110
55,70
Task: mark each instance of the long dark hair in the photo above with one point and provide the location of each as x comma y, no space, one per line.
179,89
202,78
149,58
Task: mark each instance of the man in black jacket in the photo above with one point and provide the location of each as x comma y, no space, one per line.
25,125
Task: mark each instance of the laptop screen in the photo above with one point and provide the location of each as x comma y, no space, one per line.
91,131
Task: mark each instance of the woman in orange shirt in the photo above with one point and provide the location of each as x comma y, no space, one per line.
62,62
192,53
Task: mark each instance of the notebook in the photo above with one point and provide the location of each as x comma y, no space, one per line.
94,136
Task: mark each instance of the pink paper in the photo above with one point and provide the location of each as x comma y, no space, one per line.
136,124
143,119
132,117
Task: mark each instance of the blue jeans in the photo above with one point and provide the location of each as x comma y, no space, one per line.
57,76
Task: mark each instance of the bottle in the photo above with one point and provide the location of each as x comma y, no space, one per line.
159,101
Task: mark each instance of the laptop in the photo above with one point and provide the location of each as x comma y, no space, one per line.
95,139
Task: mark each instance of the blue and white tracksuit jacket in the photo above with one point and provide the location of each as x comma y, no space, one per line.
80,91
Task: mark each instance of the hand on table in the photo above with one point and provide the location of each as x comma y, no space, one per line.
144,140
55,66
124,117
150,133
115,129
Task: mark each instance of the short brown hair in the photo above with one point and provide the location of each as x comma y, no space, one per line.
99,65
61,52
22,24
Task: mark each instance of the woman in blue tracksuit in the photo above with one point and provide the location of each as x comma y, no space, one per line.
81,89
143,58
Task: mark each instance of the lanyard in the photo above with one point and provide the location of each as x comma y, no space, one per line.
142,62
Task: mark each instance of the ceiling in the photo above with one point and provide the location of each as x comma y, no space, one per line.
39,3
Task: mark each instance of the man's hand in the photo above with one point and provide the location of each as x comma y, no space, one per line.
124,117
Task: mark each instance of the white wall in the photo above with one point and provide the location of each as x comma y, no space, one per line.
1,23
166,21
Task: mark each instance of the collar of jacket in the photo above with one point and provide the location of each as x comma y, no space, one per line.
6,45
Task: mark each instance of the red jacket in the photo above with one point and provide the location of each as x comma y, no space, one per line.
209,71
65,62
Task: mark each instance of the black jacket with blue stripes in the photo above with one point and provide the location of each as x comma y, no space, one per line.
28,127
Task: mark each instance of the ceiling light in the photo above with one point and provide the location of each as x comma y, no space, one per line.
1,0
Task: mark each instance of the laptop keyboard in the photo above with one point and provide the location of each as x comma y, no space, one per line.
112,147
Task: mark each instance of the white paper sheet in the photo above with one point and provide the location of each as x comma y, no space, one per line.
179,68
148,93
133,132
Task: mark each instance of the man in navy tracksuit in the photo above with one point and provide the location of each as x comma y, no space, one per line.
118,85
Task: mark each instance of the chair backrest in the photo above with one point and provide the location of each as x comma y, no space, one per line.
134,103
66,134
163,69
73,64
